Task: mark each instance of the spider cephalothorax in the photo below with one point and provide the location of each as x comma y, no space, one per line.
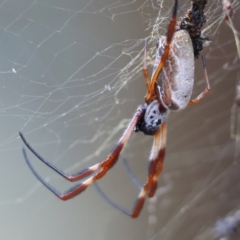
154,115
168,89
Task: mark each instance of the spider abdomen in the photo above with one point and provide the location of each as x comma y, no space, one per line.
175,82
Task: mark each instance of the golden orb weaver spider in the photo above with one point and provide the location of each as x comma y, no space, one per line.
169,89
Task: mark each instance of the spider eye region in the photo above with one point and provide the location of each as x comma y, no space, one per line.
152,119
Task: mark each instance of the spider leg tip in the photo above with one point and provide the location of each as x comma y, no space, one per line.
24,152
21,135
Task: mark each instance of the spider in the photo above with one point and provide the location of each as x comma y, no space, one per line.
169,89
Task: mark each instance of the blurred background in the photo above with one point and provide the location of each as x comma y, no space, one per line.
71,78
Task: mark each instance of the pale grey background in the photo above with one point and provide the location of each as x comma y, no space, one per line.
59,62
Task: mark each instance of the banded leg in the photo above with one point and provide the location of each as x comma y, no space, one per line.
153,167
171,29
145,69
206,90
151,173
103,167
160,159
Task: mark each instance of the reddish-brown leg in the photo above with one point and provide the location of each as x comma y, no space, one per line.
150,89
160,159
155,166
103,166
206,90
154,156
145,69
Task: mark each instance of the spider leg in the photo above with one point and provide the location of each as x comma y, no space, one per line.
160,159
130,174
145,69
151,173
206,90
52,189
77,176
150,89
154,157
104,166
109,201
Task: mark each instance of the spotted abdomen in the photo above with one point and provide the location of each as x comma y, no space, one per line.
175,82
